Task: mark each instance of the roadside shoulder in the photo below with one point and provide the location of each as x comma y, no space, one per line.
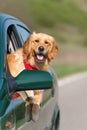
72,78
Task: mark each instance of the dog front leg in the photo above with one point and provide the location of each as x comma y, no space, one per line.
28,97
36,104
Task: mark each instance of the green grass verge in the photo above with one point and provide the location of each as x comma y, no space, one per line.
63,70
50,13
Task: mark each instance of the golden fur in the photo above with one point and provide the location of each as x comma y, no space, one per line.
38,50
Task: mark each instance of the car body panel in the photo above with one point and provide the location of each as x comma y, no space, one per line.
12,110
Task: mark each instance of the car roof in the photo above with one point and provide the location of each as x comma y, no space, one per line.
6,16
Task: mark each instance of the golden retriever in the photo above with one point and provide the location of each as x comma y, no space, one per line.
36,53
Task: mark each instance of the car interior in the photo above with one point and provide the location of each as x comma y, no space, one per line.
13,41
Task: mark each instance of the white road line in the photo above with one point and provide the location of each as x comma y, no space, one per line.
72,78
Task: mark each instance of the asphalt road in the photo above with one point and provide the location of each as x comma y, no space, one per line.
73,103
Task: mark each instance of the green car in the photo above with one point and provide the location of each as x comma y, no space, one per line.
13,34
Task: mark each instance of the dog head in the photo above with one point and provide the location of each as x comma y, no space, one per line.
41,47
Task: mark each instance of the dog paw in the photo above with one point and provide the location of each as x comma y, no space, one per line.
35,112
28,112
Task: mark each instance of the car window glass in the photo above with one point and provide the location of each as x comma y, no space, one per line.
10,47
13,41
23,32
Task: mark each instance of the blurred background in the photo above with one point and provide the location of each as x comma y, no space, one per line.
66,20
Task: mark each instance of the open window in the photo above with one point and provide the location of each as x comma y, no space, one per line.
13,43
13,40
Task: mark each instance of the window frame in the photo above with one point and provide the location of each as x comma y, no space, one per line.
20,34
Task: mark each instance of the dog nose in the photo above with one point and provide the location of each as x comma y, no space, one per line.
41,48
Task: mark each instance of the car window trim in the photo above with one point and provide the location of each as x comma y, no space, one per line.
25,28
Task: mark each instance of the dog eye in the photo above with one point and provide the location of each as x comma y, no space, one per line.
37,41
46,42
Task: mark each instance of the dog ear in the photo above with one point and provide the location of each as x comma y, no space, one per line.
27,46
53,51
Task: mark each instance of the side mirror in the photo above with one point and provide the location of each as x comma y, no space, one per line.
31,80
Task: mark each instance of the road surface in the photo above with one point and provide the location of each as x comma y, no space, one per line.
73,102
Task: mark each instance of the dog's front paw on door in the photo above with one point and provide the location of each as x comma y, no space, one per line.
35,112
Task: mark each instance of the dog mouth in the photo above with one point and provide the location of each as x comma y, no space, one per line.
40,57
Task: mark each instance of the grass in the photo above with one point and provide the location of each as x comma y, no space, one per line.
66,69
51,13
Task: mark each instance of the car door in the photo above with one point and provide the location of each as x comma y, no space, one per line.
15,34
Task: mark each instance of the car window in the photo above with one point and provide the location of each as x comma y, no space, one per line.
13,41
23,32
